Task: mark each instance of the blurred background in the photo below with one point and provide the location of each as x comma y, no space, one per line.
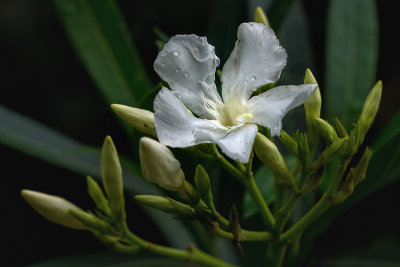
43,79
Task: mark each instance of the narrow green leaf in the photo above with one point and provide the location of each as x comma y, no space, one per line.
102,41
392,129
351,57
28,136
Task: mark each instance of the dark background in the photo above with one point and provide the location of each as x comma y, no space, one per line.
42,78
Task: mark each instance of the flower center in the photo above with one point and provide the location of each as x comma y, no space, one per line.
233,112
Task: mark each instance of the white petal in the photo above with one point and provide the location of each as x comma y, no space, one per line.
238,143
177,127
257,59
270,107
187,63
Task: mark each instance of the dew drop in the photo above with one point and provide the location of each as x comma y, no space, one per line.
186,74
265,60
253,78
196,50
176,53
178,70
163,54
162,64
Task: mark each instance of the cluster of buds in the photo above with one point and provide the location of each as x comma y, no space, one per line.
109,219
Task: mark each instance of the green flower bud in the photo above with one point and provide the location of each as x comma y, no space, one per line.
160,166
269,154
53,208
340,130
325,130
111,175
92,221
370,108
289,143
260,17
166,204
140,119
312,108
352,144
202,182
97,195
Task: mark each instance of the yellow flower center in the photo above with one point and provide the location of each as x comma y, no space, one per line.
233,112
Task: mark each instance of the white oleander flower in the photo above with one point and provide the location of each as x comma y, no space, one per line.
188,63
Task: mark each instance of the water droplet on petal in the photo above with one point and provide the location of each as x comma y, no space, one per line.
265,60
176,53
196,50
163,54
186,74
253,78
162,64
178,70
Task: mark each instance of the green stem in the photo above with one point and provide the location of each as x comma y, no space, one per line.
322,205
258,199
281,193
246,234
226,164
284,213
191,255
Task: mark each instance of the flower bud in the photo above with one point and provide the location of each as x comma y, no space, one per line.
325,130
312,108
260,17
313,104
140,119
53,208
166,204
97,195
269,154
289,143
111,175
370,108
159,165
202,182
340,130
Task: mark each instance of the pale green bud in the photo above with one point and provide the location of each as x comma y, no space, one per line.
352,144
202,182
325,129
111,175
312,108
313,104
289,143
260,17
140,119
166,204
92,221
97,195
53,208
370,108
269,154
339,128
159,165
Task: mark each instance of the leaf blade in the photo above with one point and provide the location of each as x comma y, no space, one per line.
351,57
101,39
